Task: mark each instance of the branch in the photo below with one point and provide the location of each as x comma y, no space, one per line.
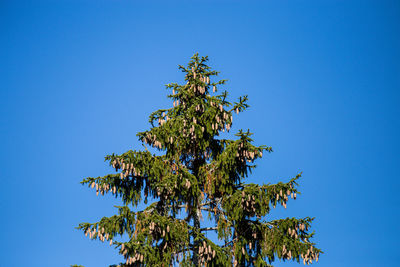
208,229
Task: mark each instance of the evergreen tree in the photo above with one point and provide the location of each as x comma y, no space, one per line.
194,174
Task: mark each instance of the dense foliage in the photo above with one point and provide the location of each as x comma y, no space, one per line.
194,174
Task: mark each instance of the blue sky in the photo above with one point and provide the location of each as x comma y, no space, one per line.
79,79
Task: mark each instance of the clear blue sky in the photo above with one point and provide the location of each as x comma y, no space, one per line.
79,79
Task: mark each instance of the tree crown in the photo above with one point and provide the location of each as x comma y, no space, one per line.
195,174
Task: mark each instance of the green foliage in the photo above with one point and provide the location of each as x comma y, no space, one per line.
197,173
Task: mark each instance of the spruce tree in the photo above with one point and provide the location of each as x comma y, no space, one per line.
195,179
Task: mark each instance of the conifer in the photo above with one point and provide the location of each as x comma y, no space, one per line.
192,173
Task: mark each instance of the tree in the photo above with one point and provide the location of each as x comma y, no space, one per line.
193,173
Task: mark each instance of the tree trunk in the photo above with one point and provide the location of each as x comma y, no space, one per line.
196,244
